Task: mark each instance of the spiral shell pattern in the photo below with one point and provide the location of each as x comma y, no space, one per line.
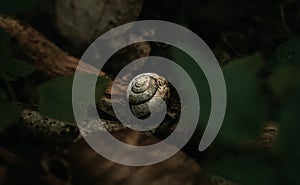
144,90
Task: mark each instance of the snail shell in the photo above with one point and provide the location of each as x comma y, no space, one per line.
144,90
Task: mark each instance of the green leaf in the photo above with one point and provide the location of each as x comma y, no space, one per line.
12,7
289,138
285,84
284,80
287,146
16,67
246,106
285,65
56,99
245,168
287,53
56,96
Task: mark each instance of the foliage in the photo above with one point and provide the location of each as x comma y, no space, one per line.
11,67
10,70
56,97
287,53
246,106
287,90
284,84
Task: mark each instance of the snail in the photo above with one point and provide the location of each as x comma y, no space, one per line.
146,90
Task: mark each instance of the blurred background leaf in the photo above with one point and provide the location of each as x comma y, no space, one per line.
285,68
287,147
284,80
285,85
289,140
246,106
287,53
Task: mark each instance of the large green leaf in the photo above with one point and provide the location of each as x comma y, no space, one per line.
287,146
56,97
284,80
285,66
284,83
246,106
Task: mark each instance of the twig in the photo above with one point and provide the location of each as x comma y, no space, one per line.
9,157
231,47
283,18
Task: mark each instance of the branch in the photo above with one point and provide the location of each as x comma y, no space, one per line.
45,55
